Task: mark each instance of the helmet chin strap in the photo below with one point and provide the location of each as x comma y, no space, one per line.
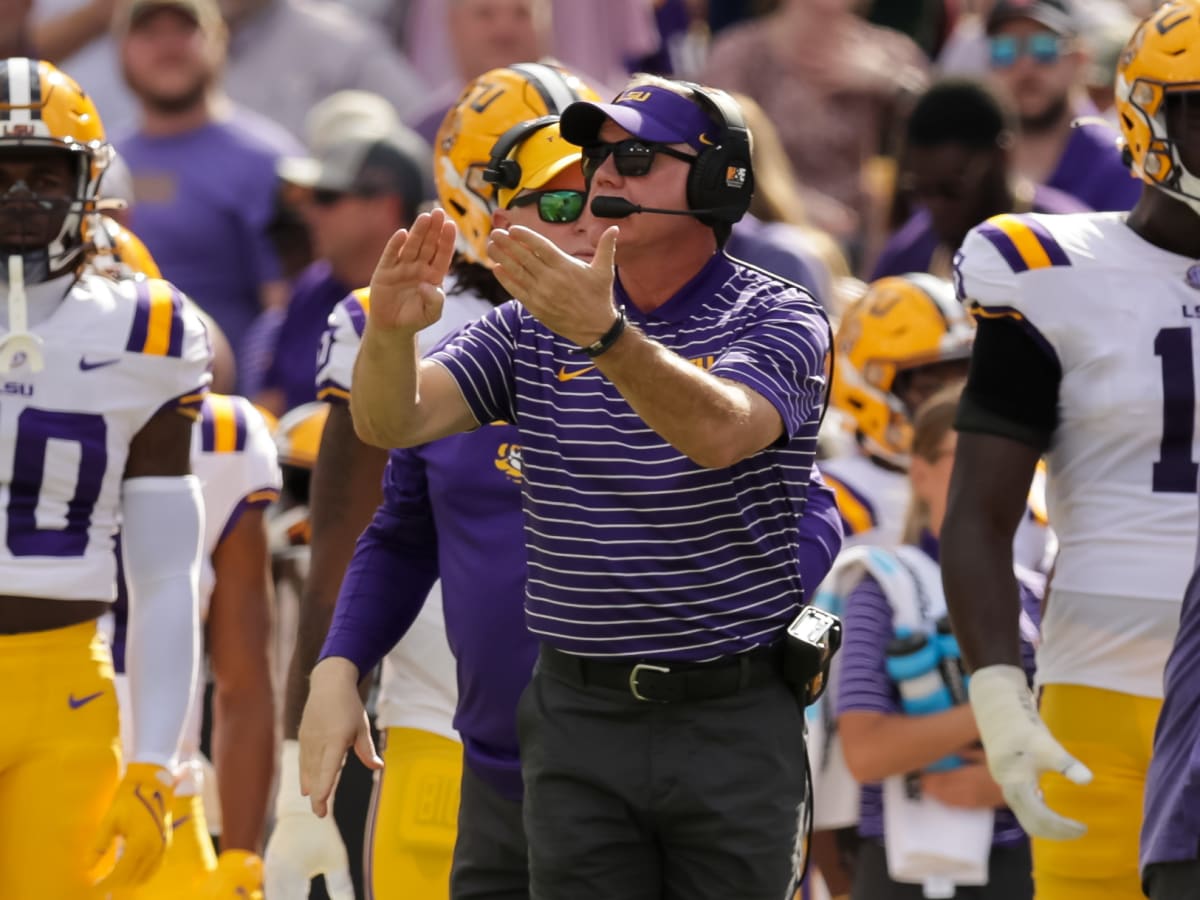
20,345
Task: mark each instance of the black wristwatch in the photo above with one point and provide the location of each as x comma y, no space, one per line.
606,340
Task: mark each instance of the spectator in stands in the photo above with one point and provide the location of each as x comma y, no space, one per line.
1037,58
958,171
286,55
482,35
203,169
363,190
776,235
832,84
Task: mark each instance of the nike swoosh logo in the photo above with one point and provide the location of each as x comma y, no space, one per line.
564,375
175,823
87,365
82,701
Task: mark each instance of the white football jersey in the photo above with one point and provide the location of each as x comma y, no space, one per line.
1120,316
234,457
418,687
872,499
115,354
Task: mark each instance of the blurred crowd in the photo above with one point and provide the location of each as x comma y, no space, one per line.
882,131
268,150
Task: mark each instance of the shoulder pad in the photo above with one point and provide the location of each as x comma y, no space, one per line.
158,319
223,423
996,252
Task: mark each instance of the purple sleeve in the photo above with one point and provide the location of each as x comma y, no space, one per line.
481,360
392,571
820,534
782,354
866,630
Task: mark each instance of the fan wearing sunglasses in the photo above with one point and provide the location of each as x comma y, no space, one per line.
1036,59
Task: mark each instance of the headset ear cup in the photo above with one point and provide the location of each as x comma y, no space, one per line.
702,183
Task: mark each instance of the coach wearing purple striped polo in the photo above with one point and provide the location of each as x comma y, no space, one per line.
668,411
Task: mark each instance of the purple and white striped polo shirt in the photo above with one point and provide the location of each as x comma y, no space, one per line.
634,550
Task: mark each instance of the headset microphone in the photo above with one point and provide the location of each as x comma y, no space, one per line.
620,208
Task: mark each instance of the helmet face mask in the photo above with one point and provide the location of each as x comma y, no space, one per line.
486,109
48,127
1157,99
901,342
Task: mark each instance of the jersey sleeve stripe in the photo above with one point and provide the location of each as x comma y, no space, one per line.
978,311
224,425
358,307
1024,244
857,513
157,320
333,392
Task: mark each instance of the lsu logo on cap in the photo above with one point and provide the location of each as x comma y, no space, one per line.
735,176
634,97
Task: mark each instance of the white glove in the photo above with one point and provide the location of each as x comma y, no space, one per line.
301,845
1019,748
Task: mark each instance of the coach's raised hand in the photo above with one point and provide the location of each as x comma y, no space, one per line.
406,289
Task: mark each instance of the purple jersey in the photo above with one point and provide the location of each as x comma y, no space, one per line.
865,685
1092,171
293,368
916,247
454,507
1171,819
204,200
634,550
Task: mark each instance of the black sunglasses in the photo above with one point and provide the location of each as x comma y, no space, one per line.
330,197
555,207
632,158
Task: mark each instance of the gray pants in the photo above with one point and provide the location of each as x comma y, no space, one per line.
491,860
629,800
1173,881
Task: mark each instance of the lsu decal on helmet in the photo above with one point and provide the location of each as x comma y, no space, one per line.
487,108
900,325
43,109
116,251
1161,60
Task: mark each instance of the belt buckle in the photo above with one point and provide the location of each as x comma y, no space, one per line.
633,680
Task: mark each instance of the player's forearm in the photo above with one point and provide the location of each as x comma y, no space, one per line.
384,401
386,584
707,420
344,493
885,745
981,590
244,757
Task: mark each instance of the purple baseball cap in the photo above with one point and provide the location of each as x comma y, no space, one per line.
648,112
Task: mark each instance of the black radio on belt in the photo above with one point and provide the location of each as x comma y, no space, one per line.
812,640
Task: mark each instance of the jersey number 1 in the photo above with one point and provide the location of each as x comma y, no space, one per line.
1176,472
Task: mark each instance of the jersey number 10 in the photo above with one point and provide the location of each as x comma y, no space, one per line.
1176,472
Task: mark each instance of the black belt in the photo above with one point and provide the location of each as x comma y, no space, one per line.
668,682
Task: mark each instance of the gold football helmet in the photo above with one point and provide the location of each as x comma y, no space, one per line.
1162,58
901,324
487,108
41,108
116,251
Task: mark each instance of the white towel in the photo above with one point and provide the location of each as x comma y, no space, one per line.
934,845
